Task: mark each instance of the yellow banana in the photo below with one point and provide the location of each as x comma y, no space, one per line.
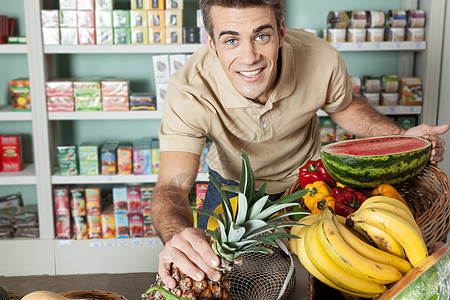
349,259
306,263
371,252
325,265
395,210
389,200
362,235
304,222
398,228
382,239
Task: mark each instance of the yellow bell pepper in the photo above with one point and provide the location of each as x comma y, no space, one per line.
388,191
319,196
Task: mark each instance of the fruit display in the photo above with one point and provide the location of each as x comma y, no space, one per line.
364,253
370,162
247,229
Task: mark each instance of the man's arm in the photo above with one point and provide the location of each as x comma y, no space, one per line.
185,246
362,120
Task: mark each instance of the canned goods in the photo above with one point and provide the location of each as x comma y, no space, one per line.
336,35
389,83
356,35
337,19
375,34
389,99
415,18
396,18
394,35
357,19
415,34
371,84
375,18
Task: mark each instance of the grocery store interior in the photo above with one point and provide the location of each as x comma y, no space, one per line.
79,78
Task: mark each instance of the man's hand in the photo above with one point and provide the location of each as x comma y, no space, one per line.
190,251
431,133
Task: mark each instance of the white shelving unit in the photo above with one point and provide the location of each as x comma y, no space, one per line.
389,110
49,256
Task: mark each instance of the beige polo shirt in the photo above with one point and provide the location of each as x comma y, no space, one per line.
280,136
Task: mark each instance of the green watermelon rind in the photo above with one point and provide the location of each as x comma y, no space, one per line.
371,171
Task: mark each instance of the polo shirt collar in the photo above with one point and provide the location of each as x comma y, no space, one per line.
284,87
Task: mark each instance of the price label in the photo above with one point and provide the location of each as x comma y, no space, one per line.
137,242
65,242
122,243
109,244
150,241
95,244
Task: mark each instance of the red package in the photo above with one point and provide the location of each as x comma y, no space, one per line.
63,227
136,224
60,104
61,200
92,195
134,198
59,88
94,227
3,29
11,156
11,27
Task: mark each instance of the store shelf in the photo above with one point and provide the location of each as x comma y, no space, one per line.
6,114
105,115
107,255
380,46
103,49
389,110
116,179
13,48
26,177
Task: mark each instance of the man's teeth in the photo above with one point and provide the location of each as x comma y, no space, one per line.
251,74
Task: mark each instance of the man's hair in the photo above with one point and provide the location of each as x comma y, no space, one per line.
205,6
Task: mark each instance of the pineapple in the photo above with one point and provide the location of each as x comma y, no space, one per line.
249,229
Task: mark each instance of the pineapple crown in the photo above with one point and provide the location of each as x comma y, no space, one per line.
256,218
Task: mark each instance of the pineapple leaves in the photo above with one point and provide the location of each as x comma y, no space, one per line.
226,204
247,179
242,207
257,207
235,233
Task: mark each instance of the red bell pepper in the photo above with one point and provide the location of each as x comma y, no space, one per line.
348,200
314,171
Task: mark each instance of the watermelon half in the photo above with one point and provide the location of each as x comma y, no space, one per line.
370,162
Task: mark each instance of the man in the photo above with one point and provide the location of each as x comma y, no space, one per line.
255,86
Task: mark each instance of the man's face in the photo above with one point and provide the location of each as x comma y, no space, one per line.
247,44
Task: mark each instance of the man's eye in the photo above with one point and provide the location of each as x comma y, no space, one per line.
231,42
262,37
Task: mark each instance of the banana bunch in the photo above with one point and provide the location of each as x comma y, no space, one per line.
359,261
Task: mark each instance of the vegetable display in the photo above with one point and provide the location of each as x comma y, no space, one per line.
314,171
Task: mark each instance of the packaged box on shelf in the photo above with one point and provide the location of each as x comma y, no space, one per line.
394,34
142,157
89,151
155,156
67,160
108,226
415,34
20,94
79,228
122,36
60,104
68,18
121,18
191,35
124,160
115,94
373,99
59,88
174,18
69,36
63,227
104,36
86,88
88,104
86,18
407,122
161,68
157,36
68,168
120,199
155,4
51,36
65,153
103,18
327,131
138,18
176,62
61,201
161,90
85,4
94,224
11,154
89,168
136,224
67,4
109,159
92,195
146,196
139,35
77,201
375,34
200,18
389,99
174,35
86,36
336,35
142,101
104,4
139,4
156,19
115,103
50,18
149,230
357,35
121,223
174,4
411,89
200,194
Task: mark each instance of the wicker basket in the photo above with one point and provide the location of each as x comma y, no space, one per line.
428,197
92,295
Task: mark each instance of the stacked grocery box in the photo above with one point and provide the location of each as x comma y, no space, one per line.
20,94
11,154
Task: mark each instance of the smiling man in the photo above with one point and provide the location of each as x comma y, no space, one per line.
255,86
